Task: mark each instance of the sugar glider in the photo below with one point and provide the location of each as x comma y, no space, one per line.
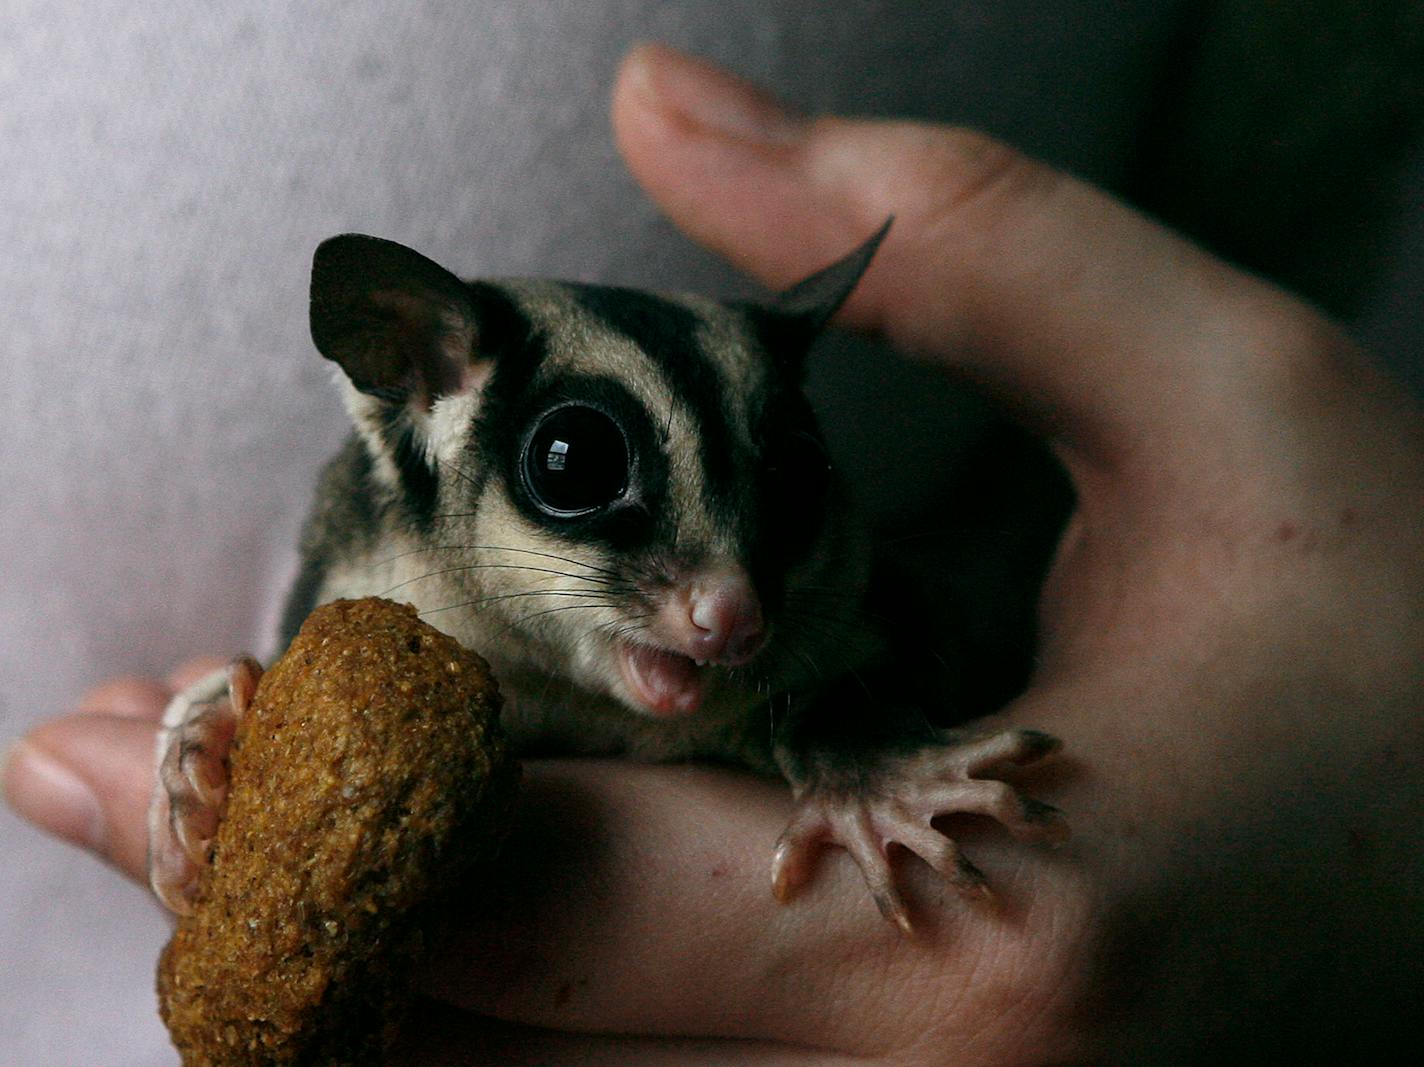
623,501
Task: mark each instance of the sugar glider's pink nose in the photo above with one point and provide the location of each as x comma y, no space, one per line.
725,616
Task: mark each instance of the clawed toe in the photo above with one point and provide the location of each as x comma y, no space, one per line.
1027,819
896,804
191,781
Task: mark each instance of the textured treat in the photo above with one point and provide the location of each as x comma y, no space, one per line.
368,775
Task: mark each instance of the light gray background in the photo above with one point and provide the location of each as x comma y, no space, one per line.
166,169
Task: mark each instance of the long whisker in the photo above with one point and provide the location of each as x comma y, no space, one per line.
830,630
580,594
816,624
468,478
565,607
602,601
503,566
771,699
809,613
807,659
501,548
478,601
861,682
621,630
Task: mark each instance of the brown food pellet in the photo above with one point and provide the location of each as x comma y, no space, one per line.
367,777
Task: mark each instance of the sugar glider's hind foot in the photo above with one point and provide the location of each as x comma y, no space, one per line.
191,775
892,799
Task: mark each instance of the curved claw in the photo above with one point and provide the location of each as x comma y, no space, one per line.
977,753
947,858
190,785
797,852
172,874
243,674
821,822
895,804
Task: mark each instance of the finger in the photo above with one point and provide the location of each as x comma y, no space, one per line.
144,698
634,899
1117,334
195,670
86,778
132,698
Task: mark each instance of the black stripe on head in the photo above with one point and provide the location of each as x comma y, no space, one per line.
504,336
510,339
419,482
667,332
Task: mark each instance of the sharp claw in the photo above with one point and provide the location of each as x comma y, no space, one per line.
1036,745
1038,811
190,759
797,850
243,674
981,753
204,771
969,880
892,907
1052,826
179,899
172,878
908,794
783,886
198,729
192,828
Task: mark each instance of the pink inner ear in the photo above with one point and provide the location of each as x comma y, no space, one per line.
455,341
477,373
432,343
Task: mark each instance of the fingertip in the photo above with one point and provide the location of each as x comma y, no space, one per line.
195,670
1088,319
655,81
635,70
711,148
45,791
128,697
86,779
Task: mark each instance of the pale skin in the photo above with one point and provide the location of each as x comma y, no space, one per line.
1233,655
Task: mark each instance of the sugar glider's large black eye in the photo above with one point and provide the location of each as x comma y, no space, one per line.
576,461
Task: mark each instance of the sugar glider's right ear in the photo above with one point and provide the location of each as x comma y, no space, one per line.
401,326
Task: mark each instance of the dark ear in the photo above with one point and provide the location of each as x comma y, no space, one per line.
794,319
401,326
815,299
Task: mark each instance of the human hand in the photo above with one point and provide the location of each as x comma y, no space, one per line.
1233,631
615,910
1233,649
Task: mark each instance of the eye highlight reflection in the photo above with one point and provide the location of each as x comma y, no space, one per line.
577,461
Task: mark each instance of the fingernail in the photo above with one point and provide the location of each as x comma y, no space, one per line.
709,98
50,795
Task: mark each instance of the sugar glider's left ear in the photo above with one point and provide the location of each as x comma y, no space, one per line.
400,325
794,319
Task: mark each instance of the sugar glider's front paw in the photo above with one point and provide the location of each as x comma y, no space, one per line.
891,799
190,782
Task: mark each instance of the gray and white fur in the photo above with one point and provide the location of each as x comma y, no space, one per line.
623,502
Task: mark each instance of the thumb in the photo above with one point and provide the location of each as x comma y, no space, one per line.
1114,332
86,778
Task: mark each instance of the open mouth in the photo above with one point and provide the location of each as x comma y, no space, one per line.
663,682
